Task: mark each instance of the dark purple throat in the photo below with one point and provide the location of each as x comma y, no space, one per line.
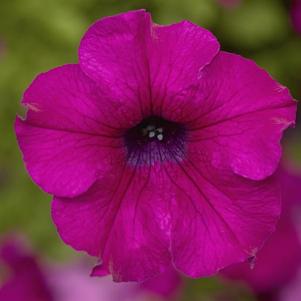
153,140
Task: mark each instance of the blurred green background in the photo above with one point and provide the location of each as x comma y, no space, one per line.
37,35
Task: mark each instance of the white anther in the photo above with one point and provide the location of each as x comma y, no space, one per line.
160,137
159,130
151,134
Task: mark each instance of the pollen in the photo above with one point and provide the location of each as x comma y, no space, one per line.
153,132
160,137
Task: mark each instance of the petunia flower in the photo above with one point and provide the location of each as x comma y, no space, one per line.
29,279
279,261
296,15
25,280
159,148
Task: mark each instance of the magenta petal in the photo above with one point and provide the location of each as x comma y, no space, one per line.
145,64
81,222
291,292
127,223
113,53
280,259
100,271
26,281
243,115
276,264
65,148
178,53
167,285
219,218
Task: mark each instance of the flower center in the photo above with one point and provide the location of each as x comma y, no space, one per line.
155,139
